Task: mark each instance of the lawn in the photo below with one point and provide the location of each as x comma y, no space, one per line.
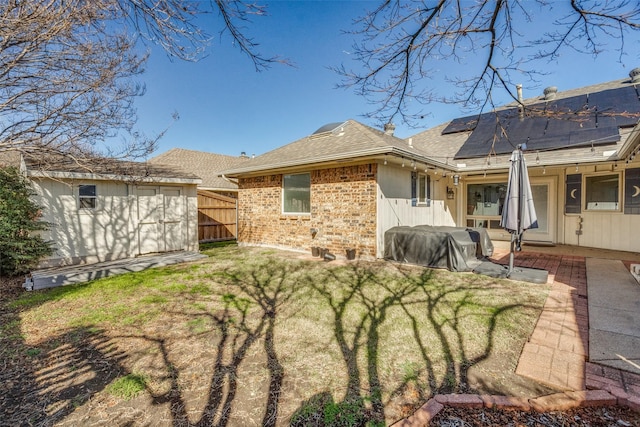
253,336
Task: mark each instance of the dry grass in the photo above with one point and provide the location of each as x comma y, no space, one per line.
262,337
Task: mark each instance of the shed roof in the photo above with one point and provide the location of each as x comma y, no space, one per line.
103,168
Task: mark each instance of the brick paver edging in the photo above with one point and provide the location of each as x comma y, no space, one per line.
553,402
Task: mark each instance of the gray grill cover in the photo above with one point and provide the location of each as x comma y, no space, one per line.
454,248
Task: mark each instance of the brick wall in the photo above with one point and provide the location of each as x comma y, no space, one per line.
343,210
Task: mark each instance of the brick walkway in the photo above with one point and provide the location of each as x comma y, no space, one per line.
557,351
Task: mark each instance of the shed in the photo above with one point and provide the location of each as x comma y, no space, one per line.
102,209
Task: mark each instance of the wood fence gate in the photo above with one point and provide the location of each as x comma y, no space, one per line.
217,217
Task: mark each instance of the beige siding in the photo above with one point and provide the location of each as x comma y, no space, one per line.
394,202
606,230
111,230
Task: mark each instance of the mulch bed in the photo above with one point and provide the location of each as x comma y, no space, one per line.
10,287
606,416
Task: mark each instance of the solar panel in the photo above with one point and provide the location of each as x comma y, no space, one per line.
462,124
624,99
578,120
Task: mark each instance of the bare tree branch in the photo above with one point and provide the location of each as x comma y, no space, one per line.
404,43
65,83
68,69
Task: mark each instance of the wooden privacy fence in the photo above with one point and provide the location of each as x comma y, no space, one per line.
217,217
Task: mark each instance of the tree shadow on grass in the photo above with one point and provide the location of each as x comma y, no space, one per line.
361,301
57,377
425,303
248,317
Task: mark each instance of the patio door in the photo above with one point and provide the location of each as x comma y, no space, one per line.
543,192
485,201
161,225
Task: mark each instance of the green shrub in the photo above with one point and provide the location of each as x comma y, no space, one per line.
20,248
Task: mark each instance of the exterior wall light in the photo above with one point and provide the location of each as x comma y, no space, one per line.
456,179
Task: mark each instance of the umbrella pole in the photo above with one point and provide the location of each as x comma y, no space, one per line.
510,270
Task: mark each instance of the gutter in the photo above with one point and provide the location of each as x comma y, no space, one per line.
111,177
631,144
332,158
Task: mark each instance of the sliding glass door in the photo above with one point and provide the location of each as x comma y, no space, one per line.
485,201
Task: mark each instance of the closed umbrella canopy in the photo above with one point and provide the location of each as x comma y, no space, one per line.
519,213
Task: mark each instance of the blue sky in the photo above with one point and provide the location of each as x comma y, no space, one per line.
226,107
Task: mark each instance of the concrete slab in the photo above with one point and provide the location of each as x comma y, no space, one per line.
522,274
53,277
617,350
619,321
614,315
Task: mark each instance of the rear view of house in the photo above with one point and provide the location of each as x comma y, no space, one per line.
339,188
346,184
581,147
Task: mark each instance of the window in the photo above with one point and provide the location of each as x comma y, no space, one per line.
87,196
296,193
602,193
424,189
485,203
486,199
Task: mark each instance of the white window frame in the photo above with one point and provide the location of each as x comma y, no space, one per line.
283,211
585,192
424,193
82,197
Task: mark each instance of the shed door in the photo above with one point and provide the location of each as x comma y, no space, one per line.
161,222
172,225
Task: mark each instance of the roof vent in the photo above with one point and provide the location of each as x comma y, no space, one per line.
550,92
389,128
635,75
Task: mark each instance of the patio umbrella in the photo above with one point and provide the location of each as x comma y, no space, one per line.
518,213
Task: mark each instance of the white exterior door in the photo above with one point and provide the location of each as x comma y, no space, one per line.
543,194
173,223
161,219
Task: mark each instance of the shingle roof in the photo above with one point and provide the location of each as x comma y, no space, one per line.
440,143
104,168
206,165
352,140
347,141
590,115
599,87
